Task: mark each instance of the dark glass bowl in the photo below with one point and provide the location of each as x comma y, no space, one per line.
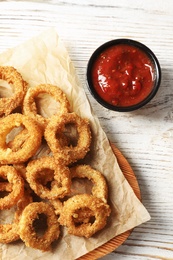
151,56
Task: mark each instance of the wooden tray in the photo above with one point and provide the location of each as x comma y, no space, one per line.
120,239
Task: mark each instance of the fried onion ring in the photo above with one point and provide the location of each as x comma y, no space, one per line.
45,169
5,186
14,178
66,154
9,232
21,168
99,189
58,205
12,76
27,231
30,106
98,210
18,140
29,147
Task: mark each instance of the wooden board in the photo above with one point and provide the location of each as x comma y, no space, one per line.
120,239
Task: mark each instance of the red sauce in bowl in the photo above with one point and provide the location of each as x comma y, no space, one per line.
123,75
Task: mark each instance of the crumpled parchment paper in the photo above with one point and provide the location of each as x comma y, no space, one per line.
44,59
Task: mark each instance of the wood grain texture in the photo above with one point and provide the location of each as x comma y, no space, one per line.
145,137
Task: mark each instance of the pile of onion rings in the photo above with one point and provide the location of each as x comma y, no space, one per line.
40,187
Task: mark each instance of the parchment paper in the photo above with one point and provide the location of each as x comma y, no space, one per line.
44,59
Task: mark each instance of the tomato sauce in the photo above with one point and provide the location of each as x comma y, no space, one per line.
123,75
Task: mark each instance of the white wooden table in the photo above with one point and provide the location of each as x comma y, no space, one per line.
145,137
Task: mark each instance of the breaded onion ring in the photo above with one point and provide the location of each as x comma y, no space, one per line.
12,76
83,216
18,140
97,208
46,169
29,147
30,106
14,178
5,186
27,231
58,205
99,189
66,154
9,232
21,168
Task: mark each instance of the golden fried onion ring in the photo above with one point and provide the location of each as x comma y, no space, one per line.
57,205
5,186
18,140
29,147
12,76
27,231
66,154
60,181
29,104
21,168
9,232
14,178
99,189
100,212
